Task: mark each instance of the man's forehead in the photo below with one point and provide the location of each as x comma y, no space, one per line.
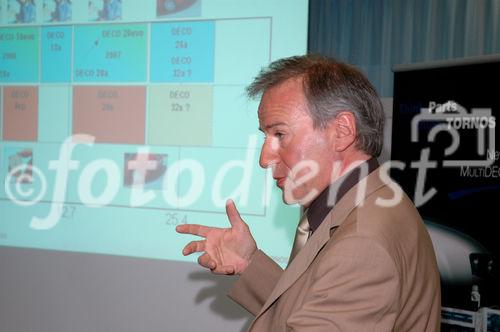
284,103
282,118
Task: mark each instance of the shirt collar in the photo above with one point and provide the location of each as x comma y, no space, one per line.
322,205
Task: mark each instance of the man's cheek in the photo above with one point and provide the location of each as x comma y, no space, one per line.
296,187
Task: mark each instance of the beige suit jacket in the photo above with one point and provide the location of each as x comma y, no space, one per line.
366,268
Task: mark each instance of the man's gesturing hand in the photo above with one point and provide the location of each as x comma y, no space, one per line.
227,250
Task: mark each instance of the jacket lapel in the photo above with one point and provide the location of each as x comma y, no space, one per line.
320,237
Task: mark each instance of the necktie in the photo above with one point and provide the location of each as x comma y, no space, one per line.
301,236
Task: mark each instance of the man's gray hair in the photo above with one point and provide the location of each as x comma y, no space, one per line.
330,87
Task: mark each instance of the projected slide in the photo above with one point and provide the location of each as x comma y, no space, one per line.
121,119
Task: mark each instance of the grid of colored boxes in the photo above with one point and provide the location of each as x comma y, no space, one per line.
179,52
161,83
112,114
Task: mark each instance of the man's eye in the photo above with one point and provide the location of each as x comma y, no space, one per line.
279,135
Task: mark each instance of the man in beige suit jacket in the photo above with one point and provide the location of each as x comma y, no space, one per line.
368,264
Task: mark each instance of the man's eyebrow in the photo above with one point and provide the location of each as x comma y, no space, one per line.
269,126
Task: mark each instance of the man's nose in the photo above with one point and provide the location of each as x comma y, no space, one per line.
268,154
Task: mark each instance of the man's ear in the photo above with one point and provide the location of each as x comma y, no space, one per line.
344,130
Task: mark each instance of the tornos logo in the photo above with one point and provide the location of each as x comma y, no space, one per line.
475,156
453,118
457,116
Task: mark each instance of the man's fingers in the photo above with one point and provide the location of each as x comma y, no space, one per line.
233,214
226,269
193,246
206,261
193,229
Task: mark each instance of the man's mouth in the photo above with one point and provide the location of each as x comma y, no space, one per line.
280,182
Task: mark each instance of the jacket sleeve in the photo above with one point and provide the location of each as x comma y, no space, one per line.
354,288
256,283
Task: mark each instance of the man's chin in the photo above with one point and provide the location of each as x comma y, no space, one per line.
289,202
290,199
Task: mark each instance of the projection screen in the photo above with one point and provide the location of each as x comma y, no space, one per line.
121,119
